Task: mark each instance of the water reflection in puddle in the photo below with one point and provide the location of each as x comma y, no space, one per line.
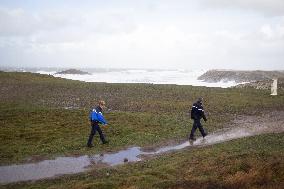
44,169
128,155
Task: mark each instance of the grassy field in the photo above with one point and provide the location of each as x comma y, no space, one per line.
43,117
254,162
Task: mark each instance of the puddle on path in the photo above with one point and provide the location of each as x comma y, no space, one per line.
71,165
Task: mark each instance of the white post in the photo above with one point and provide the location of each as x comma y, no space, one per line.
274,87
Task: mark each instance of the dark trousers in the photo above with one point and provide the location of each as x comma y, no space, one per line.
95,127
197,124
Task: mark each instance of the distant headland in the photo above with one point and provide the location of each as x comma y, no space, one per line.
255,79
239,76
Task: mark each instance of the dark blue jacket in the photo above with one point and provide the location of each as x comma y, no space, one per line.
197,111
96,116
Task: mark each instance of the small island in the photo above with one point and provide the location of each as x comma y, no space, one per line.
73,71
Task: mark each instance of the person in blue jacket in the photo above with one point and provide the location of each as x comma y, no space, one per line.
197,113
96,118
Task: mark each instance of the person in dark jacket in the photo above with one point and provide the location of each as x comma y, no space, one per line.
197,113
96,118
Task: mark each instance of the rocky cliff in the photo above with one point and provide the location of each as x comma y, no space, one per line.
239,76
264,84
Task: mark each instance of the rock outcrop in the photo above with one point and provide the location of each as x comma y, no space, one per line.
239,76
73,71
264,84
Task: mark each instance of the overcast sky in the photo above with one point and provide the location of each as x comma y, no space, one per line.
182,34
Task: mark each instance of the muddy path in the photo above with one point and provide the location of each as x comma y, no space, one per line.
241,126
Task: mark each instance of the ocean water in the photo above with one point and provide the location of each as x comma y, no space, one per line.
178,77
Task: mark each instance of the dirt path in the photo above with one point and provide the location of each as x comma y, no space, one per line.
242,126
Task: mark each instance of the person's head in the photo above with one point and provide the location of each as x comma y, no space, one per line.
199,100
102,104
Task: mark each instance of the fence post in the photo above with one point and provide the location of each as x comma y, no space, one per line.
274,87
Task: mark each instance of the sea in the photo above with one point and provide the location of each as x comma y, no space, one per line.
150,76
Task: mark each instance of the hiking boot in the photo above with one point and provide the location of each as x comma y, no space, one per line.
205,135
192,138
105,142
90,145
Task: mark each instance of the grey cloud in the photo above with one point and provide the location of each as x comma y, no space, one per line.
268,33
110,23
58,26
55,20
267,7
18,22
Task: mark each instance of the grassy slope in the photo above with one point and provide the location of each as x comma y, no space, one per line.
35,124
254,162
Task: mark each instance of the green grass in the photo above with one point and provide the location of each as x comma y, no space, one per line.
254,162
47,91
35,123
53,132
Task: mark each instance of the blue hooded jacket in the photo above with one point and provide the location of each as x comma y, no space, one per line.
96,115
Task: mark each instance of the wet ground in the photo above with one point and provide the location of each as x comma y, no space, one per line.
242,126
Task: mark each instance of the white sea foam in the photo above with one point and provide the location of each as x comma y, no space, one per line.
178,77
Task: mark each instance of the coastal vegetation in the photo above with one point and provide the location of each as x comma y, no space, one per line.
44,117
